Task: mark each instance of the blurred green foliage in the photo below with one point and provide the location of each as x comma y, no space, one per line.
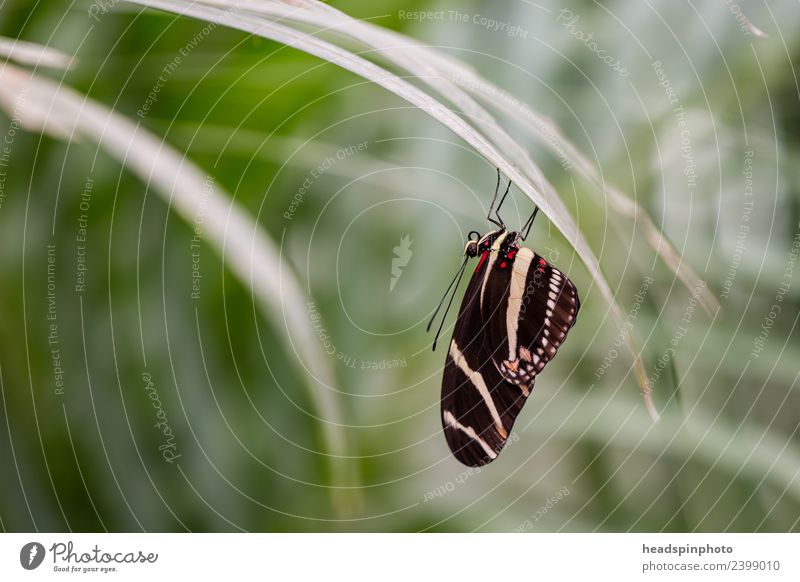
260,117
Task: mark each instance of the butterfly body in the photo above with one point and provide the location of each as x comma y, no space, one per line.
516,312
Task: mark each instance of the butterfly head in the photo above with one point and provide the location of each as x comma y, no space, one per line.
491,241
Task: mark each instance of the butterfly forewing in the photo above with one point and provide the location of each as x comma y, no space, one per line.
478,406
488,375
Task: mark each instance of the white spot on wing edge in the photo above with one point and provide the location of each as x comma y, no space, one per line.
480,385
519,276
451,421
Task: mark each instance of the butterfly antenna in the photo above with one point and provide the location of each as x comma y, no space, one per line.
454,285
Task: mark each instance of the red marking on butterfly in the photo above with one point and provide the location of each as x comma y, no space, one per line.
503,265
483,258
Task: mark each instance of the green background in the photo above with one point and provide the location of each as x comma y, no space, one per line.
259,118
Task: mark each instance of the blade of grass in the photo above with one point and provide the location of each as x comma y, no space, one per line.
551,136
527,178
448,76
244,246
36,55
746,450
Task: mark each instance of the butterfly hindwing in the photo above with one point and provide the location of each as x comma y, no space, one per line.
529,312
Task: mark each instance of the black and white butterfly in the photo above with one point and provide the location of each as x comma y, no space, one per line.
515,314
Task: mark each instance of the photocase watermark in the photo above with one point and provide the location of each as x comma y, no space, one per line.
53,341
31,555
402,256
689,165
551,254
80,238
347,360
68,559
322,334
627,328
551,502
688,314
747,27
537,282
510,30
168,448
341,154
450,485
422,15
197,236
100,8
783,288
373,365
172,66
5,158
744,226
569,21
9,139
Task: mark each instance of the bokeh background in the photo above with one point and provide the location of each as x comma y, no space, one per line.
248,444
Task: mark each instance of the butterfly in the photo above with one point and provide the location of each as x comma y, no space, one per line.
516,312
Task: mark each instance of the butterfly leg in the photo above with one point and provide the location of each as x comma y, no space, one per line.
499,221
526,228
503,199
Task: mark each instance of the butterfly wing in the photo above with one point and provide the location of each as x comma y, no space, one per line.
478,405
515,314
529,312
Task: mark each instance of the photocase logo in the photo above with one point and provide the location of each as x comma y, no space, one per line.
402,255
31,555
552,254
